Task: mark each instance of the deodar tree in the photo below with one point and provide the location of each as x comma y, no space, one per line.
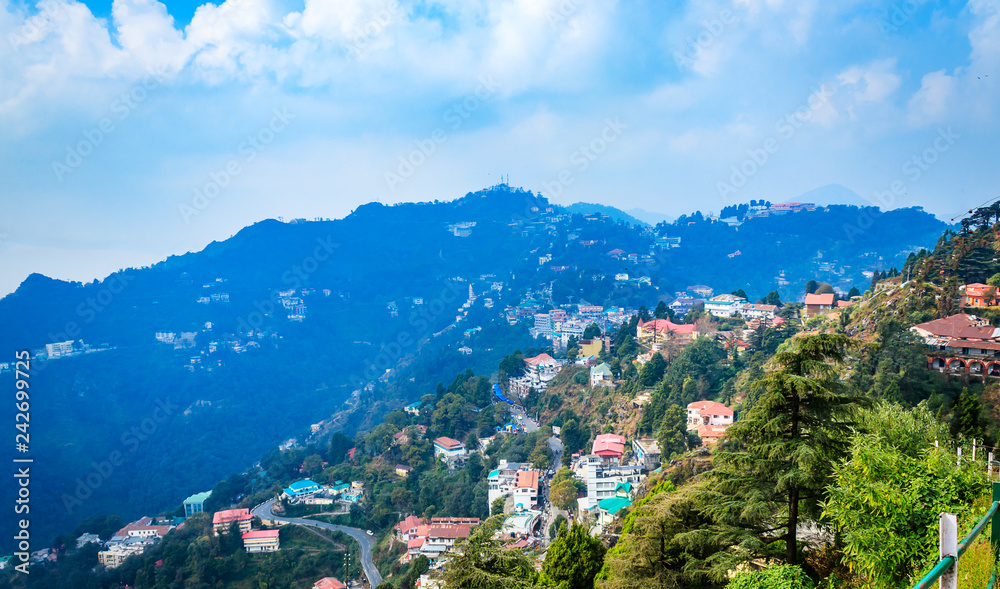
773,468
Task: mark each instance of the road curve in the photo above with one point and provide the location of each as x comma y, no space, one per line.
366,542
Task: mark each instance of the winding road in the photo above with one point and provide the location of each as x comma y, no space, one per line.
365,541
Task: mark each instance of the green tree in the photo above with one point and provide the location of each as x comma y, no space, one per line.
739,292
660,312
496,508
781,451
592,331
886,494
967,416
811,286
672,436
854,292
781,576
573,559
484,563
652,371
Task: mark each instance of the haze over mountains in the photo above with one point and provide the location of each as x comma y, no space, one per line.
244,344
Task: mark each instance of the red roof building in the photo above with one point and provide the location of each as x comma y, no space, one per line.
708,413
818,303
609,447
329,583
221,520
981,295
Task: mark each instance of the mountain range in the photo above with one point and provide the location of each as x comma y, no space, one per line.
192,368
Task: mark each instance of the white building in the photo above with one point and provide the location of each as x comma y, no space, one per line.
708,413
602,481
724,305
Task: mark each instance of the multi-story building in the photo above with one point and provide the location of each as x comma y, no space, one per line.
222,520
261,541
602,481
196,503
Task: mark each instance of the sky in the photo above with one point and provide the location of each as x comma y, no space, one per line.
133,130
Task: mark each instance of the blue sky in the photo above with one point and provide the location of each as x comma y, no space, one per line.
132,130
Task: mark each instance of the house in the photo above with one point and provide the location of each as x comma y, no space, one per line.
724,305
647,453
501,481
85,539
608,508
682,305
196,503
329,583
526,488
964,344
413,408
402,470
710,434
602,481
538,373
407,528
222,520
300,490
980,295
442,537
446,448
609,447
144,527
708,413
659,329
591,347
601,375
261,541
751,311
818,303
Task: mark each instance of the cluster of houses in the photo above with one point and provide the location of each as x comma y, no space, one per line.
434,538
538,373
308,492
134,538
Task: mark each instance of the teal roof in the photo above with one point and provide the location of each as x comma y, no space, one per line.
613,504
626,486
198,497
414,405
303,484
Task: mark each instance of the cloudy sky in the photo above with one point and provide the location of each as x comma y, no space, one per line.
131,130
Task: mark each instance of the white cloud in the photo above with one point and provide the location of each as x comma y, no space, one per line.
931,103
872,83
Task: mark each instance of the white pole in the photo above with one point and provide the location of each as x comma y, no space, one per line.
948,546
959,463
989,468
935,443
973,449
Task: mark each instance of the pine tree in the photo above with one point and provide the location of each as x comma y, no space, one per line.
574,559
776,462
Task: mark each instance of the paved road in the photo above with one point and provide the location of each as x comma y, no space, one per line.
263,511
